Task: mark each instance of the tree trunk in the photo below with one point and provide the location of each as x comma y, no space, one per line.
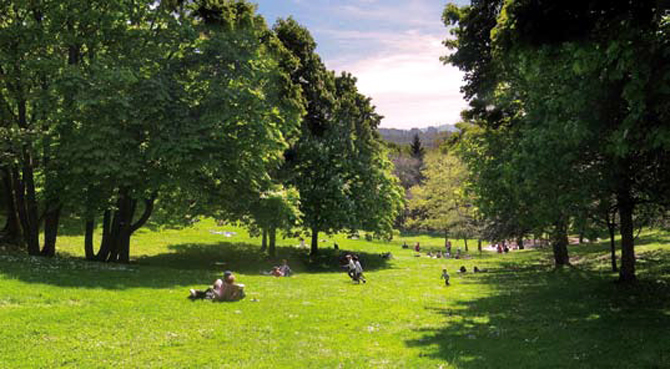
560,244
51,221
315,241
108,249
123,243
29,230
519,242
465,241
88,239
105,243
479,245
12,229
264,242
272,251
612,230
626,207
31,205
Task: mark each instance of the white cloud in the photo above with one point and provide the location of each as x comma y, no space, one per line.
412,12
405,78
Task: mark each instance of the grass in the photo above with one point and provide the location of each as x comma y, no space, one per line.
67,312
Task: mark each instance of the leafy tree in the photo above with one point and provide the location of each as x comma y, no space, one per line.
184,103
338,164
416,149
442,199
277,209
613,111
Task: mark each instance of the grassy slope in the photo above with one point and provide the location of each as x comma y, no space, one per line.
68,312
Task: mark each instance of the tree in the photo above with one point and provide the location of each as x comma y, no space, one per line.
416,150
338,164
611,57
442,199
277,209
515,193
192,117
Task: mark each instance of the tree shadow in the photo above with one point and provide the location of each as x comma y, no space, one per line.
540,317
248,259
187,265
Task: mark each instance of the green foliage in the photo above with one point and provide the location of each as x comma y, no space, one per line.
442,202
568,113
338,164
278,208
108,103
415,149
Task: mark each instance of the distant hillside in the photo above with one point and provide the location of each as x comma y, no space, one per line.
429,136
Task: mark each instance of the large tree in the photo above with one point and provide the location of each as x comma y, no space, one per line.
441,200
575,103
613,110
112,106
338,164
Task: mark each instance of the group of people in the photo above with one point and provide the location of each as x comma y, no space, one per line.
280,271
223,289
500,248
462,269
354,268
437,254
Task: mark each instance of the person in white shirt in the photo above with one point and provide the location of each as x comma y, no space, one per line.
358,270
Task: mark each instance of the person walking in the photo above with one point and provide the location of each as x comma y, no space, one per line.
358,270
445,276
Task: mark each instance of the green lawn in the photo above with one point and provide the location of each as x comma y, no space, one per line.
68,312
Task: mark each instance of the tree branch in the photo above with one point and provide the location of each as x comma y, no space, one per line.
148,208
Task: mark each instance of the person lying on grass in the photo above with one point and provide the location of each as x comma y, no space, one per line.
275,271
224,289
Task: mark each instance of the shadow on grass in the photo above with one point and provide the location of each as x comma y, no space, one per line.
188,265
567,318
247,258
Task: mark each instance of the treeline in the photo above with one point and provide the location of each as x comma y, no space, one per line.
114,111
569,122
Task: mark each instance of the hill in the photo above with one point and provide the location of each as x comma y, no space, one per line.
430,136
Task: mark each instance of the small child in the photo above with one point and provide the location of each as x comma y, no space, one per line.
445,276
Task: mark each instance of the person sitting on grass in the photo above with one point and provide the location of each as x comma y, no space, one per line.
285,269
462,269
276,272
445,276
224,289
429,254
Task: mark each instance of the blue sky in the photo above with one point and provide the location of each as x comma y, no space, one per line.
391,46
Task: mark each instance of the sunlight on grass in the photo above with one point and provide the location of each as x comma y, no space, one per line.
521,313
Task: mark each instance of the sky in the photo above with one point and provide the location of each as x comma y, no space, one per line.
393,48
